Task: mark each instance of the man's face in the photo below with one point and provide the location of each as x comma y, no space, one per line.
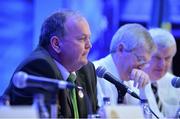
76,44
160,62
137,58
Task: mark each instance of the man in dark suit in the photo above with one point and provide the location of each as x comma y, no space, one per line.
63,48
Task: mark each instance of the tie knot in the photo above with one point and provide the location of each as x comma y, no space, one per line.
154,85
72,77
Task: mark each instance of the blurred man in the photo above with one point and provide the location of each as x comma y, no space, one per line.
130,51
63,48
161,95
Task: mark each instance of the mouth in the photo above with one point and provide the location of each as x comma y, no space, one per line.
159,70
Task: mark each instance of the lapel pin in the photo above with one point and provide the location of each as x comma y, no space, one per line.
80,93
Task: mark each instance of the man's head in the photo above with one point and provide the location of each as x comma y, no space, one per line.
162,59
131,47
66,35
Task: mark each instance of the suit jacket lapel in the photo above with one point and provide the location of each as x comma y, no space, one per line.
84,104
63,95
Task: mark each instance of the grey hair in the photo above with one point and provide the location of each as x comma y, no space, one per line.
163,38
132,36
54,25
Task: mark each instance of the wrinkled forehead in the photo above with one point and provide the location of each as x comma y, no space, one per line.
165,51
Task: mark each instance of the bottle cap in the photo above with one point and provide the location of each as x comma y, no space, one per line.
106,99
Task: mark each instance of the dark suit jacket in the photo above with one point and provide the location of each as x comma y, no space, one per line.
40,63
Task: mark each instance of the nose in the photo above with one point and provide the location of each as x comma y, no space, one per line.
161,63
143,66
88,44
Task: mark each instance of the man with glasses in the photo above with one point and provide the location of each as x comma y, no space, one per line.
130,50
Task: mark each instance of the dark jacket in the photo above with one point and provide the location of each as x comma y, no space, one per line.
40,63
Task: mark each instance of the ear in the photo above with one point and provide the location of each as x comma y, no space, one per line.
55,44
120,47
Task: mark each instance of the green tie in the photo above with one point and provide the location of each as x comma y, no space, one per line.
72,78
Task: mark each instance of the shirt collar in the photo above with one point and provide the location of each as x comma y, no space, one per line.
64,72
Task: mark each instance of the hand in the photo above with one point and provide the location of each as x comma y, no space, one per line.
140,78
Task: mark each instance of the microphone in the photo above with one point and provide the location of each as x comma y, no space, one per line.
176,82
23,80
102,73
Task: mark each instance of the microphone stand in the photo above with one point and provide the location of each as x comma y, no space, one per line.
39,104
54,105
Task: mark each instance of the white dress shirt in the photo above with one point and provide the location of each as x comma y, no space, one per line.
169,96
64,72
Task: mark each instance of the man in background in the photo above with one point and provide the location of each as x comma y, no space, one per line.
162,96
63,48
130,51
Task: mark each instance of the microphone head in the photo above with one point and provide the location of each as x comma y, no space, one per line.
176,82
100,71
19,79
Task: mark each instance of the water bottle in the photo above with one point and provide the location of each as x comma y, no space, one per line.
101,111
146,110
178,113
106,101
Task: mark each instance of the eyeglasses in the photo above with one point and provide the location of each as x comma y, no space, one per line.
140,59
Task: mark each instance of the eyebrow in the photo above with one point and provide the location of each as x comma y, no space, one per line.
83,35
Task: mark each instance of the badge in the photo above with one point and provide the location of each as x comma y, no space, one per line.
80,93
